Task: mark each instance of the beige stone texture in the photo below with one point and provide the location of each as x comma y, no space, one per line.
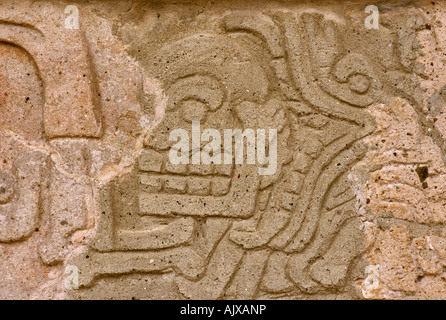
93,207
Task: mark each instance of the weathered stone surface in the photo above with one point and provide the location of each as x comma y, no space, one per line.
92,205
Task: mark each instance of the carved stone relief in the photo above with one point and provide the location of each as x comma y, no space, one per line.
86,178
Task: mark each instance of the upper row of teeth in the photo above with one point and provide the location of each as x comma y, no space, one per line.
192,185
153,161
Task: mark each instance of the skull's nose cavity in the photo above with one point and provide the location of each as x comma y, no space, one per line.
6,188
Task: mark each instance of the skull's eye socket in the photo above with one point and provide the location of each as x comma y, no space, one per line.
6,188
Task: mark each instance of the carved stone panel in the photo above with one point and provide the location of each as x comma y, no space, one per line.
333,190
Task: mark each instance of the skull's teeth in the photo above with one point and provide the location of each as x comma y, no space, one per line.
224,169
175,168
174,184
150,161
151,183
191,185
201,169
199,186
220,186
153,161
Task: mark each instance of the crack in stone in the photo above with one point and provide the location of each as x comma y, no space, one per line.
151,87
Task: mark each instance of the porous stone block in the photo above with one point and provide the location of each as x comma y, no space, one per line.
338,193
